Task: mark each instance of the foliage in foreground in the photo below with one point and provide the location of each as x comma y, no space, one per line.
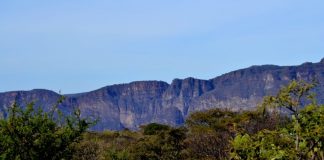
29,133
302,138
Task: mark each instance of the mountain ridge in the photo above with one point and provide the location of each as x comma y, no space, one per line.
130,105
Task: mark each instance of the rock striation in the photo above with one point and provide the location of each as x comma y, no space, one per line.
137,103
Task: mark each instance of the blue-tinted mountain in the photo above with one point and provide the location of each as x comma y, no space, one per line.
137,103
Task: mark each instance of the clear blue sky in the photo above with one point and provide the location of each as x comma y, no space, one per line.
81,45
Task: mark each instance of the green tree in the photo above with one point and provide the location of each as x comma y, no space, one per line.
210,132
154,128
30,133
162,142
303,138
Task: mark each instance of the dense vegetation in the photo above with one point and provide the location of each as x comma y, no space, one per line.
31,133
289,125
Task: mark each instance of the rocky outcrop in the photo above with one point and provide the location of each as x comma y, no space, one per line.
137,103
40,97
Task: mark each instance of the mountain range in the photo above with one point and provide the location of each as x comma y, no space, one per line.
137,103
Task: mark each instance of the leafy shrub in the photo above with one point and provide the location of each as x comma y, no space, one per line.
31,133
154,128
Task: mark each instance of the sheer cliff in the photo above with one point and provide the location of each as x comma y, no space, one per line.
137,103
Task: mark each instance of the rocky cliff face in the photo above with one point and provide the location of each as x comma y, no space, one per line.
137,103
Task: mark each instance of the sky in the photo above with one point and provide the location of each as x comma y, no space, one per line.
76,46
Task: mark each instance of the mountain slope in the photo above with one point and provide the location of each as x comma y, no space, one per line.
131,105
